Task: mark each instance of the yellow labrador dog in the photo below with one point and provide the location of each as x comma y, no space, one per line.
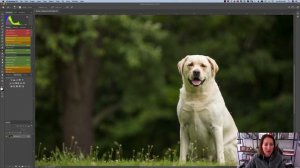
206,126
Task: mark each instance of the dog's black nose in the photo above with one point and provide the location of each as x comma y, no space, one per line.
196,73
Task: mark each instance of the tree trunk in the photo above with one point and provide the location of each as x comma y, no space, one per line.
78,88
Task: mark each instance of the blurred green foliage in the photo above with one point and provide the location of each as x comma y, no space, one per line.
138,81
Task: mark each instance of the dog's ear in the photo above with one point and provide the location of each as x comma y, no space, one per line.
214,66
181,64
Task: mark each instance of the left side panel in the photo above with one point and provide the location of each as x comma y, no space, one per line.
17,87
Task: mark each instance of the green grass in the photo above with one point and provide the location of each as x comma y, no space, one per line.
71,156
121,163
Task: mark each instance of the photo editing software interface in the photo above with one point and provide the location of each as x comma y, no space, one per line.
36,63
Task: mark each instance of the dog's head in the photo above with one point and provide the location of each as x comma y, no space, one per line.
197,69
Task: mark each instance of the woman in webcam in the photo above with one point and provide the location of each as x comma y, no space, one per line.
269,154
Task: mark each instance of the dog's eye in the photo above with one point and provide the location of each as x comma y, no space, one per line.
190,64
203,65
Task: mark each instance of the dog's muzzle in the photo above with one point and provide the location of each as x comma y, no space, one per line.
196,81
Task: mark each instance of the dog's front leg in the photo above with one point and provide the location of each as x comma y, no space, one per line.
184,143
217,132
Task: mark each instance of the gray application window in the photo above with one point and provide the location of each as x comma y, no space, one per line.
78,75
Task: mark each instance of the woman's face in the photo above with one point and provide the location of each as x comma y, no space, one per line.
268,146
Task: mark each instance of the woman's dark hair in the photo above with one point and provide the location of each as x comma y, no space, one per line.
262,140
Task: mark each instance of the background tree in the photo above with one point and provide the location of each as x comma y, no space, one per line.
75,51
